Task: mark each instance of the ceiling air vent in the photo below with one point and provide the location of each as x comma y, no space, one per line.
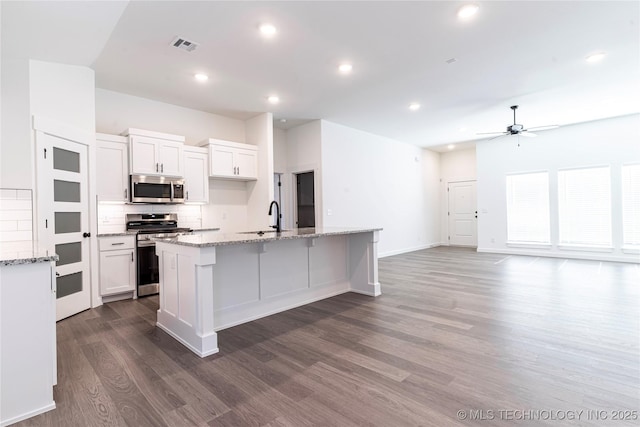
184,44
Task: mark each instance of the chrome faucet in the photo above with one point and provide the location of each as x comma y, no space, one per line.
277,226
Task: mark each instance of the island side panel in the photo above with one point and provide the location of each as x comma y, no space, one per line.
363,263
186,296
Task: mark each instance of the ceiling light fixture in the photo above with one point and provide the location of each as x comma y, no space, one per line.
414,106
451,146
201,77
462,129
273,99
595,57
283,120
467,11
268,30
345,68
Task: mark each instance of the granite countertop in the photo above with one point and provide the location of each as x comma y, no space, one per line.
134,232
27,256
205,240
122,233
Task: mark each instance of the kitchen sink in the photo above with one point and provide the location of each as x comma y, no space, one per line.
260,232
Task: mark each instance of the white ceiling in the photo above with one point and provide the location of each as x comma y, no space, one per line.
515,52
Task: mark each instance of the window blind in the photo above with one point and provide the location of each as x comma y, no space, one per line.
584,206
528,208
631,205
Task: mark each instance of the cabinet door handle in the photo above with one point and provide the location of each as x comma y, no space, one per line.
187,195
131,256
157,167
162,167
238,170
125,195
117,244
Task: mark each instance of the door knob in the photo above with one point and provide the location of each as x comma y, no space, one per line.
85,235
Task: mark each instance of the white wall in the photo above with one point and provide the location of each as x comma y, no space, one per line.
63,93
431,172
304,154
279,151
227,208
610,142
116,112
456,165
259,131
372,181
15,138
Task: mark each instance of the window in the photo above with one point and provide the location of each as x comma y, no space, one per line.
631,205
584,207
528,208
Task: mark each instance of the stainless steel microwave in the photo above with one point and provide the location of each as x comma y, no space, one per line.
156,189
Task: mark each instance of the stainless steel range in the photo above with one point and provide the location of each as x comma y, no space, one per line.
151,226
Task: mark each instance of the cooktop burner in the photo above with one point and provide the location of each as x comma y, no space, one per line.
155,224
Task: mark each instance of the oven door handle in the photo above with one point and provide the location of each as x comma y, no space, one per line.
171,185
146,243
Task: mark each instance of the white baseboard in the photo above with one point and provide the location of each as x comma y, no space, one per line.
591,256
413,249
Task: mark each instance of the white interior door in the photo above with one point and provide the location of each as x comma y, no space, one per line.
63,218
463,214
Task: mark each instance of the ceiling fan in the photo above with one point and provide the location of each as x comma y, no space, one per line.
516,129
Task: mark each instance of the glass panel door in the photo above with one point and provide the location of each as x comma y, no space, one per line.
63,202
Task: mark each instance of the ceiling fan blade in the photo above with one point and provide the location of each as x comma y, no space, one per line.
528,134
499,136
544,127
491,133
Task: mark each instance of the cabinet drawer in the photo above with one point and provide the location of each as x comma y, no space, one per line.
116,243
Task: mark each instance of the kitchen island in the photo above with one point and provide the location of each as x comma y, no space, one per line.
210,282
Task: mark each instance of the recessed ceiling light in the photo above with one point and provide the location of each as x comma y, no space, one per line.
268,30
345,68
283,120
462,129
467,11
414,106
273,99
201,77
595,57
451,146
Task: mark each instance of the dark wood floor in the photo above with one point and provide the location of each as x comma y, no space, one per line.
453,331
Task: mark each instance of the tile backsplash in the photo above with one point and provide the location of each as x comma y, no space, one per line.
16,218
112,217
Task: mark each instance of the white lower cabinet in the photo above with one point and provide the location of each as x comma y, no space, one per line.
27,340
117,265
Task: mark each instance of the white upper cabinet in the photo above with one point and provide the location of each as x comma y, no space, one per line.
232,160
196,175
112,168
155,153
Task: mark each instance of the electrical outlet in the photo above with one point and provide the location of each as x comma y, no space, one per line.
329,212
